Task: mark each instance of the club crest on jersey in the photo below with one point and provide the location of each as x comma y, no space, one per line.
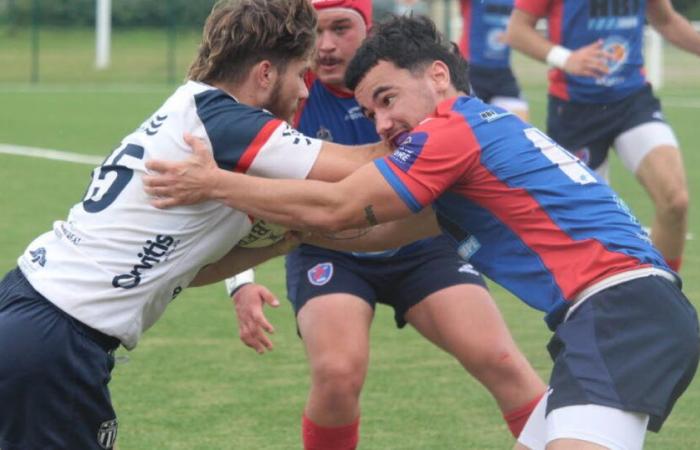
324,134
320,274
38,256
618,49
406,154
584,154
107,434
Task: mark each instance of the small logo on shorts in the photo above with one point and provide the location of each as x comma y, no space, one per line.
468,268
107,434
468,247
320,274
584,154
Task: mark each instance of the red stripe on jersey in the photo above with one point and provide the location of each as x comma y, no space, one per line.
254,148
557,78
466,8
573,264
535,7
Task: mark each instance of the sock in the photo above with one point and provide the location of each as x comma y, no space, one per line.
675,264
517,418
343,437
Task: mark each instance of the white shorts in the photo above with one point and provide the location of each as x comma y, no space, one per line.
602,425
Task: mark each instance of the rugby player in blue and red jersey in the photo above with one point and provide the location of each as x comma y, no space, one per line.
520,208
599,97
334,293
483,44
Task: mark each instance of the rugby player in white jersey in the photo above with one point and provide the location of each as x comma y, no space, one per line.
104,275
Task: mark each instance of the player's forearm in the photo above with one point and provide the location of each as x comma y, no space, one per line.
296,204
237,260
522,36
336,162
385,236
677,30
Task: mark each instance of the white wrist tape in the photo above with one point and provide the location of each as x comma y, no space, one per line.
558,56
236,282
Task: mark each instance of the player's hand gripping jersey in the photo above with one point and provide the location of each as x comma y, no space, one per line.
497,186
482,42
117,262
575,23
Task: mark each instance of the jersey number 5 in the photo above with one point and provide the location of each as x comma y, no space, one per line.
110,179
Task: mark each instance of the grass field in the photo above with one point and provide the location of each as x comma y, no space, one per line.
191,384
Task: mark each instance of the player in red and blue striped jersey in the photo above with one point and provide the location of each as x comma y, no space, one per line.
599,96
524,211
483,44
334,294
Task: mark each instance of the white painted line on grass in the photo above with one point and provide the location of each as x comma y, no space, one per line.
51,154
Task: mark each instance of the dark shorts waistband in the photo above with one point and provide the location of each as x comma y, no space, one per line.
106,342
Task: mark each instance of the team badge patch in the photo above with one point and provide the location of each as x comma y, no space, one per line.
320,274
107,434
406,154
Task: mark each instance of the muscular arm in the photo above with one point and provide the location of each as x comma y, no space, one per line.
522,35
588,61
385,236
673,26
336,161
239,259
363,198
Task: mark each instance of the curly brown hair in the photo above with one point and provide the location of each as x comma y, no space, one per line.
241,33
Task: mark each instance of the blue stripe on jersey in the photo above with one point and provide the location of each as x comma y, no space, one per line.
582,210
489,20
620,25
510,254
231,126
398,186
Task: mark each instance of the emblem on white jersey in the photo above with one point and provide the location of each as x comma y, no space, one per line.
107,434
38,256
151,127
320,274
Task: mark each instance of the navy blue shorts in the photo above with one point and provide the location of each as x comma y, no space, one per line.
633,346
53,375
488,83
400,281
588,130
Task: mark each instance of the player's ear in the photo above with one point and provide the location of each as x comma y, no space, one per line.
439,74
265,74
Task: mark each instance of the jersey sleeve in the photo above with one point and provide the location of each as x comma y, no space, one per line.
253,141
433,158
538,8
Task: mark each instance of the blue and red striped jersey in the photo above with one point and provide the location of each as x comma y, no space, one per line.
521,209
575,24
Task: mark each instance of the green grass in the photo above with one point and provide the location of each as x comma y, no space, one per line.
190,384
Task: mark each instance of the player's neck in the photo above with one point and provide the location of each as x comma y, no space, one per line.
241,92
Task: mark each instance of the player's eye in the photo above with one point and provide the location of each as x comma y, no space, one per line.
388,100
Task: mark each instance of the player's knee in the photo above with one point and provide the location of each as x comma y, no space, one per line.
338,377
497,363
675,205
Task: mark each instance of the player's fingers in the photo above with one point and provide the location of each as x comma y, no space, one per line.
156,180
198,146
162,203
269,298
265,325
157,165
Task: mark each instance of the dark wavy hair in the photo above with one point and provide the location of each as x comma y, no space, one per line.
411,43
241,33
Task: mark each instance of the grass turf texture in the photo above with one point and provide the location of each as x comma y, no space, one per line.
191,384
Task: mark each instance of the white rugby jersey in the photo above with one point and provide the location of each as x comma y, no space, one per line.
117,262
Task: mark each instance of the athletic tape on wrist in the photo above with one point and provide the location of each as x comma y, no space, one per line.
558,56
234,283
